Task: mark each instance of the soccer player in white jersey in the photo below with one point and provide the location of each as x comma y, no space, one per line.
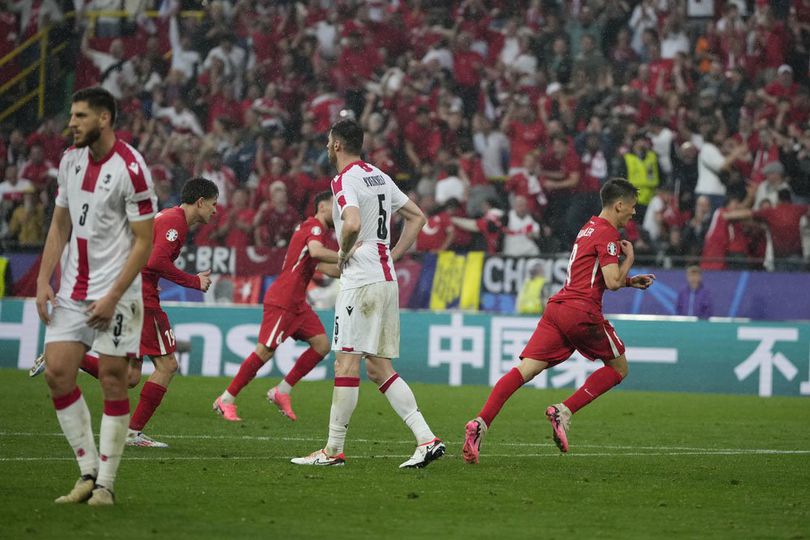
104,213
367,309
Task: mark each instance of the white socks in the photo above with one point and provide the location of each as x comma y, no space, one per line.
226,397
74,420
401,398
113,435
284,387
344,401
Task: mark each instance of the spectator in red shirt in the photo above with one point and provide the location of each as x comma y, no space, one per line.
726,245
38,169
468,66
524,128
422,139
780,88
438,233
524,182
53,143
237,221
783,223
275,221
560,176
489,226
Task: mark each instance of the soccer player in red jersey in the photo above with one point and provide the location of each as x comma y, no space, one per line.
199,197
573,320
198,206
287,314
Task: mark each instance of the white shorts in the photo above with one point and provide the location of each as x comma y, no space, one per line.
367,320
122,338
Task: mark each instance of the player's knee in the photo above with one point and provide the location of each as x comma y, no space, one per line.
375,374
57,379
133,380
167,365
321,346
621,368
263,352
113,383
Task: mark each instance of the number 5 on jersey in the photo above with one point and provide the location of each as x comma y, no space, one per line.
382,221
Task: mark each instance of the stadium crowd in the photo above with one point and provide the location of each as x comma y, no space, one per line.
501,119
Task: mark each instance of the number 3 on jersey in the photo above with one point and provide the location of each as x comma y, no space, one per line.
382,221
83,217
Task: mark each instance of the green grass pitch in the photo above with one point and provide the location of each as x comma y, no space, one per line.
641,465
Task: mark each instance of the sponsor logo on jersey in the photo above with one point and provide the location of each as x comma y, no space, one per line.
107,178
78,168
612,249
171,235
349,309
134,167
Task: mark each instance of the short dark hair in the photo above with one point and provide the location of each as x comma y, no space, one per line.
615,189
350,133
320,197
97,98
198,188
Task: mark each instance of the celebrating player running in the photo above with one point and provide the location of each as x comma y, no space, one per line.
573,320
287,313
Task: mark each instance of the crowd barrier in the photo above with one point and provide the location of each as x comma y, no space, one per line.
455,348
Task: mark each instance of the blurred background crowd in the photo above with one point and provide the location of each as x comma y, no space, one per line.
501,119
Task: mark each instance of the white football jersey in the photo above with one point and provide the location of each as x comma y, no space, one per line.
372,191
102,197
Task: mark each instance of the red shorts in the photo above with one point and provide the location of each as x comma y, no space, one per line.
157,336
278,324
563,329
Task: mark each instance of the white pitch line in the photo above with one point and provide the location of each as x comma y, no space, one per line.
157,457
681,450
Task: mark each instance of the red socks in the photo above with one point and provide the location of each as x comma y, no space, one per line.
305,363
247,371
90,365
504,388
600,381
151,396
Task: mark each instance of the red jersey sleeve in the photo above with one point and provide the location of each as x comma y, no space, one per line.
168,240
607,248
314,231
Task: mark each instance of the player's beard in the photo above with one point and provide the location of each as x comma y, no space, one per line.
92,136
332,157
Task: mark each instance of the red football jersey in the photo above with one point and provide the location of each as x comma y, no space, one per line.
597,245
168,238
289,290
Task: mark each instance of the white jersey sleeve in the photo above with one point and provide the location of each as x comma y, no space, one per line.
139,194
61,181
